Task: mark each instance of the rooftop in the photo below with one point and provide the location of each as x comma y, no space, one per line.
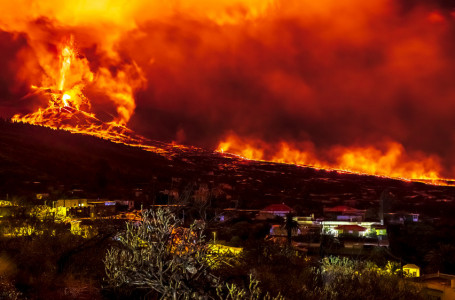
278,207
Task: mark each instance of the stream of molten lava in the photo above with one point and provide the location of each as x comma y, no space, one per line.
392,162
69,109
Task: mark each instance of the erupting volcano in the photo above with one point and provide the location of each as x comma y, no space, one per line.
363,87
69,109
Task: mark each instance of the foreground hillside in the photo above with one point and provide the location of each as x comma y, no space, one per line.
38,159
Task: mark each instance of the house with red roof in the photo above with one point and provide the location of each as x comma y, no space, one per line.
355,230
337,227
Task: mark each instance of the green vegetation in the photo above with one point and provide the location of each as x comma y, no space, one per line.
52,267
342,278
161,257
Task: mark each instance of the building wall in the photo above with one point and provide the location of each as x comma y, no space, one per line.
70,202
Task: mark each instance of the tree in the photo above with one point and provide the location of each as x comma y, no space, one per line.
41,212
290,225
158,254
342,278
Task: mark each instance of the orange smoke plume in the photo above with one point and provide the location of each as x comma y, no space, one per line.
359,85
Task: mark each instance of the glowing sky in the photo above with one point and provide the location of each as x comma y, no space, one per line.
321,76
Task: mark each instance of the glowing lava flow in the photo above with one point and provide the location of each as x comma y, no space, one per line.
69,109
392,163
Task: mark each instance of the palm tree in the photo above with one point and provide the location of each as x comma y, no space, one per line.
290,225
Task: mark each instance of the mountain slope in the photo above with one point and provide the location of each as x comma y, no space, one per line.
59,160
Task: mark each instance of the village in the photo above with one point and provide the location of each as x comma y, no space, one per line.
280,221
339,230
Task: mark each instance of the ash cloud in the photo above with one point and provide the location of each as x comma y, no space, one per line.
14,87
331,73
364,75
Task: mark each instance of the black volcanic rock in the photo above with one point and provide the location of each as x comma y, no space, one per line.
59,160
